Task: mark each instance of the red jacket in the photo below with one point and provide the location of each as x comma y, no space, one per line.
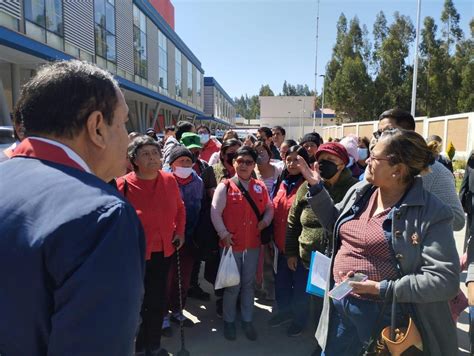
239,217
209,148
160,208
282,204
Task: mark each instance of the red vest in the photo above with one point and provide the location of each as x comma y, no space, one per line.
239,218
282,204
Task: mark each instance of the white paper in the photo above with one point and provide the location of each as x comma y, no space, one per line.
320,270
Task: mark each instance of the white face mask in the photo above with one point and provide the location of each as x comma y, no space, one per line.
363,153
183,172
204,138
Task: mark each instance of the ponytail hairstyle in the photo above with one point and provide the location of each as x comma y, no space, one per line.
408,148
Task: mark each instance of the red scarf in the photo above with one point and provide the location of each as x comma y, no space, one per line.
183,181
44,151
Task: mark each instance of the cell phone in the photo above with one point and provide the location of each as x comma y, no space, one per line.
344,288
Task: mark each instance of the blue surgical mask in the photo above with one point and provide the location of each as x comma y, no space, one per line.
204,138
363,153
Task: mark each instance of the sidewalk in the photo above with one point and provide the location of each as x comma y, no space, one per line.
206,337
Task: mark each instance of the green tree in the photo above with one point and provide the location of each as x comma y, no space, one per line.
450,19
464,64
437,93
380,32
285,89
266,91
352,90
392,86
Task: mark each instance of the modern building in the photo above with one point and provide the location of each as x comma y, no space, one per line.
218,105
295,114
134,39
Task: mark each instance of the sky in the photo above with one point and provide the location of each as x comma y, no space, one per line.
246,43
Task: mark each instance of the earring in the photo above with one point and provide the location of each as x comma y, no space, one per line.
394,175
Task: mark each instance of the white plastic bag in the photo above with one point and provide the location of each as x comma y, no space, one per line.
228,274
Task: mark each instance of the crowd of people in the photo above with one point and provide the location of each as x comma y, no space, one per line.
93,221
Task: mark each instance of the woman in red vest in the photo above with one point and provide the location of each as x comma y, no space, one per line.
289,298
238,226
156,198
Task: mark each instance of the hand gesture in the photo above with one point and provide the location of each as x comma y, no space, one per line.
312,176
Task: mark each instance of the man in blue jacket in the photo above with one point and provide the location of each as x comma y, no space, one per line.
71,249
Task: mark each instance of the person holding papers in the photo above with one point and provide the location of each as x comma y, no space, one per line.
304,233
400,237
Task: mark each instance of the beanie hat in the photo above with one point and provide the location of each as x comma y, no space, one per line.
311,137
351,143
336,149
179,151
191,140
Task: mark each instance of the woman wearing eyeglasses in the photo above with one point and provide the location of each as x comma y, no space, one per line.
156,198
400,236
238,226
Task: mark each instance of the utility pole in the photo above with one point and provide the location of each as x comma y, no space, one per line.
316,68
415,65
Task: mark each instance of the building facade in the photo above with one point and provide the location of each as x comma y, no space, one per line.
161,78
295,114
218,106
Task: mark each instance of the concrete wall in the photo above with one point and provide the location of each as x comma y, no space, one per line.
458,129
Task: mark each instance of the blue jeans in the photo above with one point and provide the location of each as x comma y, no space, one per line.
290,290
247,265
351,325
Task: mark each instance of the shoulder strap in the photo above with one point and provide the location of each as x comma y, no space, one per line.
247,196
125,187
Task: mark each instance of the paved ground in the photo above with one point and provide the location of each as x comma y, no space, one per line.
206,337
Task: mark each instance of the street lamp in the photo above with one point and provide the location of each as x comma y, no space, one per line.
322,101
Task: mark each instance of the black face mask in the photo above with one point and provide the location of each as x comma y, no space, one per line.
327,169
229,158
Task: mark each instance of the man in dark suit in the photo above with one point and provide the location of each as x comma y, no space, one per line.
71,249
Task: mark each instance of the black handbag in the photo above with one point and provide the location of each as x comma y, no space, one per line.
267,233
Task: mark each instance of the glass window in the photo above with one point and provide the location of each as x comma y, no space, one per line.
198,85
35,12
139,43
105,29
47,14
54,16
162,61
111,52
110,18
99,13
190,81
179,91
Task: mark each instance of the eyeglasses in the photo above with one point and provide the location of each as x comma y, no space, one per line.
247,162
372,157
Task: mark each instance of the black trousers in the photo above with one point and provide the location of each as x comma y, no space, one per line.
156,275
